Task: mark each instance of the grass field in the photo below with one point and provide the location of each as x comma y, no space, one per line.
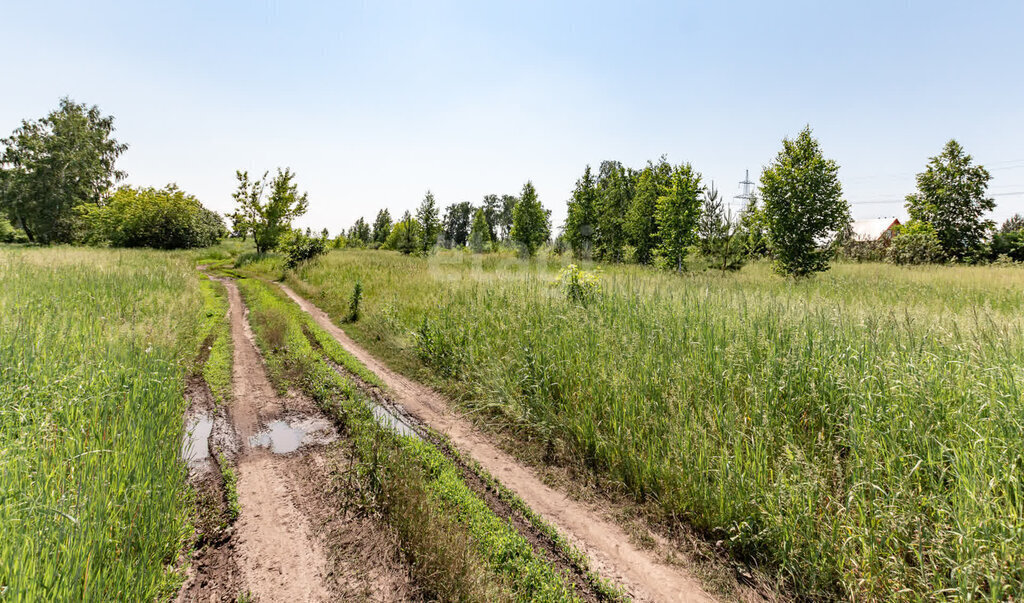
94,346
859,434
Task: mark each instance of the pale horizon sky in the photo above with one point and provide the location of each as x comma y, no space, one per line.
373,103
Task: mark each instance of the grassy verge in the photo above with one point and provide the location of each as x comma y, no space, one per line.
216,369
459,549
94,347
858,434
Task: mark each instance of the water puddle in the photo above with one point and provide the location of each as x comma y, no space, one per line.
196,446
287,436
392,422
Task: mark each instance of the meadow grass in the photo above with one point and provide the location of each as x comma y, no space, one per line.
859,434
94,346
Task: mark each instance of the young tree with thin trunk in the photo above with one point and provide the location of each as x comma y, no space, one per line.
382,227
479,232
581,223
678,212
268,221
531,223
430,225
803,206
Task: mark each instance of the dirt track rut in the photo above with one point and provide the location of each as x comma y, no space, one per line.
607,545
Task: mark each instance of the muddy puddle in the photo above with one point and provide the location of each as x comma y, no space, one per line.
392,421
195,446
284,436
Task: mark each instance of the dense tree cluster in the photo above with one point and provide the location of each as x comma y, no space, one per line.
166,218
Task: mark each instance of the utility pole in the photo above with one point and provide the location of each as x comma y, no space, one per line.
748,191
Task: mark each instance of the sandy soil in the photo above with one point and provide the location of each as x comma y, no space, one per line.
278,549
607,545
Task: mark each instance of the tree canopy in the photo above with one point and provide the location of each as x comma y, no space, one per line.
53,168
268,220
166,218
531,224
803,206
951,197
678,211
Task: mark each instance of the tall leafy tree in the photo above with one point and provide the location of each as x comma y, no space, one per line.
642,218
268,220
456,223
382,226
581,223
508,204
430,225
531,223
803,206
951,197
360,233
615,184
52,168
492,213
678,212
479,231
753,229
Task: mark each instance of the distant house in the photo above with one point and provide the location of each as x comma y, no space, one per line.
876,229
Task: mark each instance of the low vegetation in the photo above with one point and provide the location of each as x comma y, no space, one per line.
858,434
94,348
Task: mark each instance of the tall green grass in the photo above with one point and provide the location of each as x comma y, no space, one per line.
861,434
93,349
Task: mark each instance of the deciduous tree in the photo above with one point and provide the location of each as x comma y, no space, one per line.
581,223
268,220
531,223
479,232
405,236
456,223
803,206
642,218
382,226
951,197
678,212
52,168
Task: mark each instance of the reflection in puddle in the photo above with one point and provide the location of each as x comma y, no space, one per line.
283,437
386,419
196,446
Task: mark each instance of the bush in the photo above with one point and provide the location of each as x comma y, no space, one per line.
6,231
304,247
166,218
580,286
1009,245
915,243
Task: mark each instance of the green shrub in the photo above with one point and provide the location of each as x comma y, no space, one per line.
304,247
166,218
1009,245
580,286
915,243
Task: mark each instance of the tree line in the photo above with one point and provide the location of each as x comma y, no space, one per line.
57,185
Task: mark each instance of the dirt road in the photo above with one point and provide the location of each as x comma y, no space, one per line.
281,548
607,545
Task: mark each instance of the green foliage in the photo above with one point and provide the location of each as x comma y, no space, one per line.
359,235
216,329
94,348
166,218
230,478
678,211
7,232
580,287
457,218
1013,224
353,302
406,236
531,223
857,435
53,167
1008,245
302,247
653,183
268,221
615,189
951,197
479,232
427,216
381,227
753,229
915,243
803,206
581,223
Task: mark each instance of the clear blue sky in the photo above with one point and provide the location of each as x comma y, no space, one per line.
373,103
